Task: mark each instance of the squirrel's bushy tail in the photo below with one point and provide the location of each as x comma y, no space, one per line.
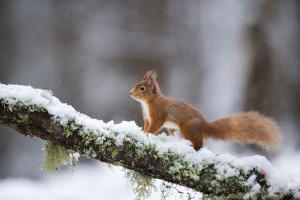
250,127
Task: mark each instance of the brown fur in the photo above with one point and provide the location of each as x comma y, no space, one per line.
249,127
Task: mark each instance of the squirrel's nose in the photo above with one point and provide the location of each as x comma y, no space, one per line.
130,92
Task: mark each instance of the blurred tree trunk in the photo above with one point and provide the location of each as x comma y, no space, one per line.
262,87
295,89
262,91
6,41
6,68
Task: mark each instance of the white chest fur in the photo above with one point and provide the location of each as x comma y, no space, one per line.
145,109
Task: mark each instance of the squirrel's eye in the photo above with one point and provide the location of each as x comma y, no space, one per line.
142,88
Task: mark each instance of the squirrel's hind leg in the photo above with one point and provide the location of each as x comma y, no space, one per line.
192,131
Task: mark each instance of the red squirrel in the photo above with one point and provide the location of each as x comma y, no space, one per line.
161,111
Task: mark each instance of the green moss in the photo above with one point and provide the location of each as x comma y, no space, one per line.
56,156
70,129
35,108
179,168
67,131
114,153
142,185
24,119
13,106
90,152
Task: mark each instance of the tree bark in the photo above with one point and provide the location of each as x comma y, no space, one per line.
33,120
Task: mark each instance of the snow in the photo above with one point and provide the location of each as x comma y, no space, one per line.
254,190
85,182
163,143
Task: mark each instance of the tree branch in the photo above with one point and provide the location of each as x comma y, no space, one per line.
34,112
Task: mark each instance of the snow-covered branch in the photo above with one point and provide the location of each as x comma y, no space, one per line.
36,112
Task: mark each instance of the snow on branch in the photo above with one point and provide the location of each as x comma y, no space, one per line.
36,112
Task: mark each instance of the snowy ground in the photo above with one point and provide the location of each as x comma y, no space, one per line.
98,181
83,182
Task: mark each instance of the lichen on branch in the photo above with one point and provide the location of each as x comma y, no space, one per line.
56,156
37,113
141,185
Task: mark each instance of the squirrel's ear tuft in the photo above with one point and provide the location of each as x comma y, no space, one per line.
150,75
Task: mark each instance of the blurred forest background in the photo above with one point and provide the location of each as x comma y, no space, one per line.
222,56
